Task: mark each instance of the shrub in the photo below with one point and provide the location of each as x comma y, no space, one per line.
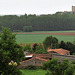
73,62
31,67
48,73
27,48
50,41
40,49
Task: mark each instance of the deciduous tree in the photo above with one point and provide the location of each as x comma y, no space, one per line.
9,51
50,41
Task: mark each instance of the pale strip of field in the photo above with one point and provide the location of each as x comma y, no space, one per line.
72,31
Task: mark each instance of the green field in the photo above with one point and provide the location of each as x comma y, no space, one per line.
39,38
33,72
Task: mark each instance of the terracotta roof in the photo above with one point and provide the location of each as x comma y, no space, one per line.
49,55
36,58
59,51
41,59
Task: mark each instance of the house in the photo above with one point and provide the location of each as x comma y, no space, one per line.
35,61
43,56
59,51
61,54
38,59
47,56
61,57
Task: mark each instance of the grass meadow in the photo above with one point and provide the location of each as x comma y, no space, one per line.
33,72
39,38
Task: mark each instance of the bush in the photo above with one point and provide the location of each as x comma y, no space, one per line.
69,71
31,67
73,62
34,47
28,48
45,66
54,68
51,42
73,53
11,70
48,73
40,49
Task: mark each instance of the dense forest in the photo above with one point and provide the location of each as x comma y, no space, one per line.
48,22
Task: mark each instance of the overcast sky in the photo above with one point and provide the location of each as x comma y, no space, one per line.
35,6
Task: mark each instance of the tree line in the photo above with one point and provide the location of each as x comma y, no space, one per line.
31,22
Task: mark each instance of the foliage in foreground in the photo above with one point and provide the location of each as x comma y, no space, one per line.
9,51
64,68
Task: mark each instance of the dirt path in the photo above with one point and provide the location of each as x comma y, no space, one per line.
67,34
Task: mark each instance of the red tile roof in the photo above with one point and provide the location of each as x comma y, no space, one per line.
41,59
36,58
49,55
59,51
